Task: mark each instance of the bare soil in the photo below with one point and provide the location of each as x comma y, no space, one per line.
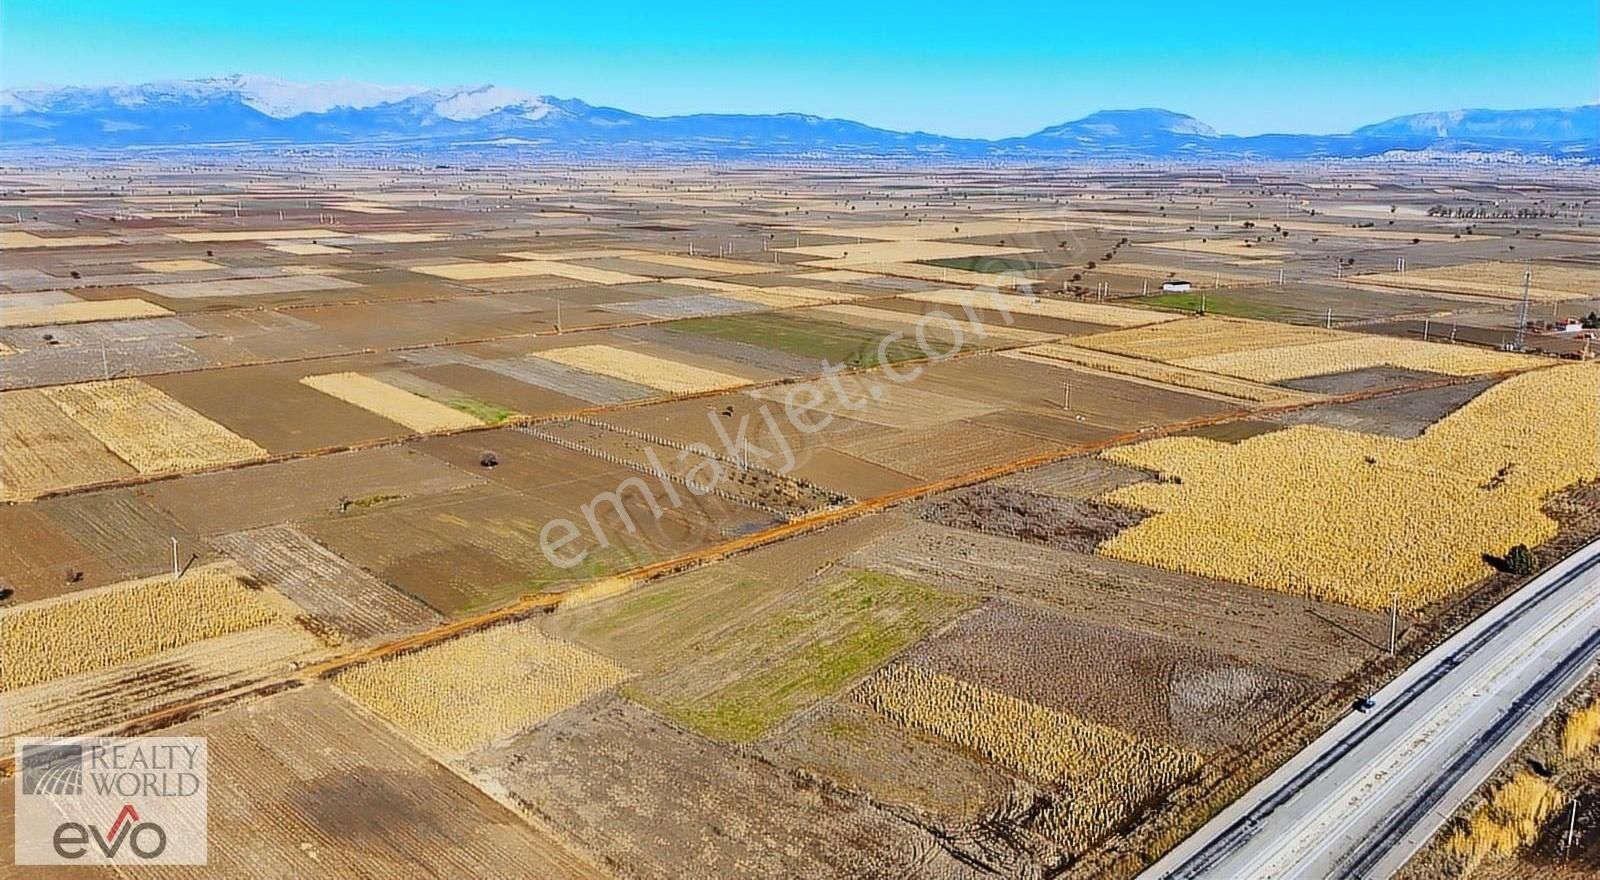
1399,415
1072,524
654,801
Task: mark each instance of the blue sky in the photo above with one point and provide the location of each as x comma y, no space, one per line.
961,69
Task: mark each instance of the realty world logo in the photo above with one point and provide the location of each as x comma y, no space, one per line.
111,800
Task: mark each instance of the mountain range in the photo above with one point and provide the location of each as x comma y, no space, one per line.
263,112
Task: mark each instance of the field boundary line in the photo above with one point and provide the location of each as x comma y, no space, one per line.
623,582
514,421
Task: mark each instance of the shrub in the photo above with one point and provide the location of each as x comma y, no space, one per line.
1520,560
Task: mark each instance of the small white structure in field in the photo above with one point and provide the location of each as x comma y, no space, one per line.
1176,286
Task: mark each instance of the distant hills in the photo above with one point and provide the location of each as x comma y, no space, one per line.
258,111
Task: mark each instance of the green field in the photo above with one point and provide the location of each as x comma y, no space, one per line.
732,656
488,413
822,340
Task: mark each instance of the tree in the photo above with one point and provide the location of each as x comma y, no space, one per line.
1520,560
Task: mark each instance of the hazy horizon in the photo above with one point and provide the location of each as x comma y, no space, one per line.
894,66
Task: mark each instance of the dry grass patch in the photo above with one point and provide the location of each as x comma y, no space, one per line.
477,271
397,405
1166,374
177,266
42,450
1106,773
705,264
589,274
363,208
1266,352
1581,732
1042,744
1496,279
80,312
19,240
305,249
403,237
1065,310
469,691
1508,822
1356,518
148,429
88,631
1199,337
1358,353
642,369
255,235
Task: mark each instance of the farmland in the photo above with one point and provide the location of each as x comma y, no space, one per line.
548,520
1474,482
51,640
479,687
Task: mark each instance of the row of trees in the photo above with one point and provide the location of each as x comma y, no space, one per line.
1483,212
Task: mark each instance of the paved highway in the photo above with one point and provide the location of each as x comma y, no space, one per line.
1371,791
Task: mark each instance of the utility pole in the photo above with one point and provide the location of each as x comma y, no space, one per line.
1066,396
1522,313
1425,329
558,314
1572,826
1394,621
174,558
1329,321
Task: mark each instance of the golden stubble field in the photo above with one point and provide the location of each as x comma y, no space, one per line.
1496,279
1265,352
86,632
469,691
1002,681
1366,520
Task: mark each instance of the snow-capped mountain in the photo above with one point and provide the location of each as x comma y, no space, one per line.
1558,124
1130,125
265,112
